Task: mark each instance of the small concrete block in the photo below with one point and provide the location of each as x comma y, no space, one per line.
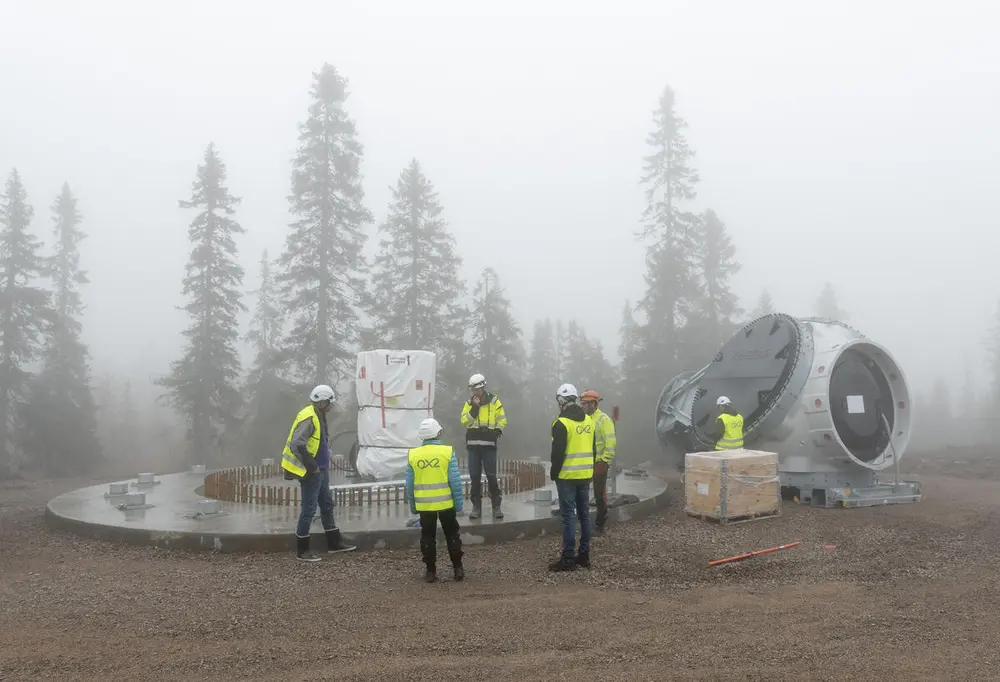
135,499
197,468
543,494
267,462
209,507
147,478
118,489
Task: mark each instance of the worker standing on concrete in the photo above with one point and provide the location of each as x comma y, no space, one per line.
728,430
574,449
604,437
434,489
307,458
484,421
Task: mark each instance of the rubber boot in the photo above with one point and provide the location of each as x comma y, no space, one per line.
583,559
430,576
303,553
456,562
497,512
477,511
563,563
335,543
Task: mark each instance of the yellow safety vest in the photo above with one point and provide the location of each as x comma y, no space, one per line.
431,490
604,434
732,436
289,460
579,462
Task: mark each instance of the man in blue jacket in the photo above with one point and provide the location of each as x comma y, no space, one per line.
434,489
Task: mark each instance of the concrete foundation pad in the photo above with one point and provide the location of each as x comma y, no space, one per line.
171,518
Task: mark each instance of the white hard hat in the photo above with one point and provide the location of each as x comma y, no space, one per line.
567,391
723,400
429,428
322,392
477,381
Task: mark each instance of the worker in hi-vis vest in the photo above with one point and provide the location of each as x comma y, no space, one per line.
728,426
307,458
484,420
574,449
604,434
434,489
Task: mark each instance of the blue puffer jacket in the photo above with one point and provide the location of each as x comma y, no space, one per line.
454,480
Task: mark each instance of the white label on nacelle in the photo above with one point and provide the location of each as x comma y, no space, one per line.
855,404
702,488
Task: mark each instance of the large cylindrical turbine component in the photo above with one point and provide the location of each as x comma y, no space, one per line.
832,403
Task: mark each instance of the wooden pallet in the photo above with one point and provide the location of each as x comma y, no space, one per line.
746,518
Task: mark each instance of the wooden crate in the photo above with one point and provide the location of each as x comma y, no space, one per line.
730,486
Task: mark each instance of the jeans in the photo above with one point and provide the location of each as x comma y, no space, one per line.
574,503
315,491
483,458
601,492
428,536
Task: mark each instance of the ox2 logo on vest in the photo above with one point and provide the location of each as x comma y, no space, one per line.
434,463
583,428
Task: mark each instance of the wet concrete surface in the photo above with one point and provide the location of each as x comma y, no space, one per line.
171,517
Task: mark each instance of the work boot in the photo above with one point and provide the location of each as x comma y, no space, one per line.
497,512
563,563
335,543
477,511
583,559
430,576
303,553
456,562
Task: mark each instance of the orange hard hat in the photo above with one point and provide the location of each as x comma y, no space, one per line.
591,396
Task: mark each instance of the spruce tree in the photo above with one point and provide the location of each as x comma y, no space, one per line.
671,283
415,282
62,418
24,314
202,384
323,262
543,377
496,349
827,305
716,264
266,328
765,305
271,397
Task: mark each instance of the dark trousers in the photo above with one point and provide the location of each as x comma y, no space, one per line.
601,492
574,503
483,458
428,536
315,492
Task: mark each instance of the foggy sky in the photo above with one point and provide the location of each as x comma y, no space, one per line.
852,142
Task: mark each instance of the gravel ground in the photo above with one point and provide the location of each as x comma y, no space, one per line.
908,592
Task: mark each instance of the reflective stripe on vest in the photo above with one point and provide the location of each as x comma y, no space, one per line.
732,436
431,490
289,460
579,461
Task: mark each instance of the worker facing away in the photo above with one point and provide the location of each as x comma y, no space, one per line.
434,489
484,421
574,448
728,431
307,458
604,439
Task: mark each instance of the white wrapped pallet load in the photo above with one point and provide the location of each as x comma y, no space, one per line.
395,391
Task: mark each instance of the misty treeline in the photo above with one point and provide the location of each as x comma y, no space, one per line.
319,301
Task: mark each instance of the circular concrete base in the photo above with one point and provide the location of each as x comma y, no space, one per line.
171,518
